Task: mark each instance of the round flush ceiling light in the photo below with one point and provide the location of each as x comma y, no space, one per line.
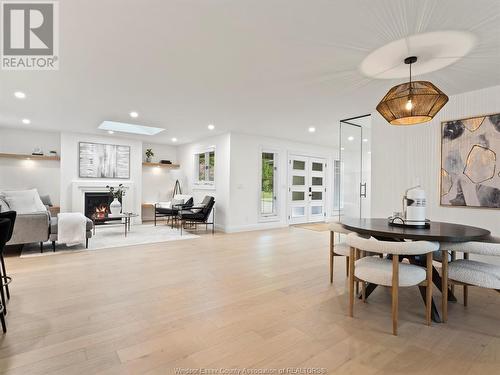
174,139
26,121
211,126
350,138
435,50
111,132
312,129
20,95
134,114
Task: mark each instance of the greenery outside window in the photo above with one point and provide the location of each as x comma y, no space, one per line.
205,168
269,184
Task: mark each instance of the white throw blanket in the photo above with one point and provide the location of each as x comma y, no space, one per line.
71,228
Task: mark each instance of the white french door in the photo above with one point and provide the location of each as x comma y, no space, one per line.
306,189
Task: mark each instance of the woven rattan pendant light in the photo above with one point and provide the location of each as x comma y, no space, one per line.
412,102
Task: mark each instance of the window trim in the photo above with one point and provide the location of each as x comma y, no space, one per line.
204,184
276,214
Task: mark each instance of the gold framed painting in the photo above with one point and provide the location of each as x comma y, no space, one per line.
470,165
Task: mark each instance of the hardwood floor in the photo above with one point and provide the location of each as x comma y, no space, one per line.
254,300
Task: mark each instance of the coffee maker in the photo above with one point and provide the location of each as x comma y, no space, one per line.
414,204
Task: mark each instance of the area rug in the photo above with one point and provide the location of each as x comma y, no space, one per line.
108,236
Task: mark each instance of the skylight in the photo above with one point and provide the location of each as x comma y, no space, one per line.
129,128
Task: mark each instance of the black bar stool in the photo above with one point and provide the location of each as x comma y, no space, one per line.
5,225
10,215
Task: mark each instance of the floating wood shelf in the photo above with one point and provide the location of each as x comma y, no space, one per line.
29,157
168,166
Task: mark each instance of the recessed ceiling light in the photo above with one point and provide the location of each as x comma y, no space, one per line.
20,95
312,129
26,121
350,138
369,152
134,114
342,149
211,126
129,128
111,132
174,139
365,139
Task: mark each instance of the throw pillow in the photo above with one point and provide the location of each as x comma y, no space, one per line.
4,206
24,201
46,200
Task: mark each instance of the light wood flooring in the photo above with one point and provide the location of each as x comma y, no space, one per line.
255,300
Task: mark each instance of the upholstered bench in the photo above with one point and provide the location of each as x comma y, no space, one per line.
54,229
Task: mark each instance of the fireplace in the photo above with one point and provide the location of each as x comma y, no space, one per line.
96,204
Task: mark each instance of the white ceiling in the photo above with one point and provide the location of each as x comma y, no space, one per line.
271,67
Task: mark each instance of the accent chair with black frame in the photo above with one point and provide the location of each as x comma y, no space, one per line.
170,210
199,214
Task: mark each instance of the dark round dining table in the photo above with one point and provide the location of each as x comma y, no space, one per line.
438,231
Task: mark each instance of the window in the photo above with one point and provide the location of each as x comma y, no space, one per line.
205,168
338,194
269,184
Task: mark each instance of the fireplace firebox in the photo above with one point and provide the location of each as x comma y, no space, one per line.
97,204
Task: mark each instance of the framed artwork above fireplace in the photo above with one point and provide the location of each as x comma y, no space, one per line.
97,160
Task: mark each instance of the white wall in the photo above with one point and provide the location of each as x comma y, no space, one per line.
26,174
185,155
69,166
158,183
401,155
245,178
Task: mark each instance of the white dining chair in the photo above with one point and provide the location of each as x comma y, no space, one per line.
467,272
387,272
338,247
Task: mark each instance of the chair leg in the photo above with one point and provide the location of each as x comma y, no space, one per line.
428,290
453,257
4,274
86,243
4,326
444,285
351,283
466,288
41,247
54,246
395,297
356,257
363,291
331,256
347,267
2,295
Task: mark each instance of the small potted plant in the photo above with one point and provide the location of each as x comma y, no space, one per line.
117,193
149,155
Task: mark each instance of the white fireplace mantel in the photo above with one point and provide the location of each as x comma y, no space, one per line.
80,187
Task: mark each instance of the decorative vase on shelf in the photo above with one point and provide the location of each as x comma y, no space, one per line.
115,207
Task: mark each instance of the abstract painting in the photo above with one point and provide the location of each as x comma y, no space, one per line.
104,161
470,165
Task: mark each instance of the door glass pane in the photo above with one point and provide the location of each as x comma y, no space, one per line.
298,180
317,181
317,167
298,195
298,211
267,202
317,195
299,165
350,157
316,210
